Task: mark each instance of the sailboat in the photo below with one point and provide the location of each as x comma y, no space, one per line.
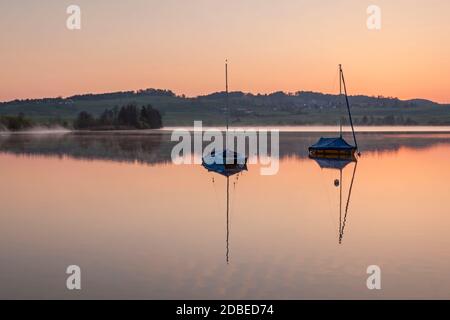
225,160
226,163
336,147
340,164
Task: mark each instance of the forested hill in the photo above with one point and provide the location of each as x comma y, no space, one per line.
279,108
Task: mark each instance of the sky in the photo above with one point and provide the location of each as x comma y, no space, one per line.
181,45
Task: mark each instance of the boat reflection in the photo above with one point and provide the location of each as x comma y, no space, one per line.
340,164
227,171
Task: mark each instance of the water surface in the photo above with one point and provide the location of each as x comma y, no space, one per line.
140,227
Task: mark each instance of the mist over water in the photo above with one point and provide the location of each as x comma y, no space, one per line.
329,129
39,130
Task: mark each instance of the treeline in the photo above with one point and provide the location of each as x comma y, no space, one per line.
150,92
23,123
277,108
314,99
127,117
15,123
124,94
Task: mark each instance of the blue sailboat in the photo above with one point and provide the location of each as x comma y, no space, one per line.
225,162
336,147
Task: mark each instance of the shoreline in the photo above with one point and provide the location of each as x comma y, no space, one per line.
325,129
283,129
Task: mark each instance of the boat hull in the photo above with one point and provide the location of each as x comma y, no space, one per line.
226,163
332,153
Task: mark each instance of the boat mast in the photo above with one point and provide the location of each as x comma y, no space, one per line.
226,92
348,104
340,94
228,220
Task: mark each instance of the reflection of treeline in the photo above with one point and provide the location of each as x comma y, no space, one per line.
156,148
389,120
127,117
115,146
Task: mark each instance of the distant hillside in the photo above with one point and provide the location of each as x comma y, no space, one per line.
278,108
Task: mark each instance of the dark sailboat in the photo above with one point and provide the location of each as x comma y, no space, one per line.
336,147
226,163
225,160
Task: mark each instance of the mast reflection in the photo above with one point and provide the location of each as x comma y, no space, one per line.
340,164
227,171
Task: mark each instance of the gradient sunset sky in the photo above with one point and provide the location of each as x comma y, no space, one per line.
181,45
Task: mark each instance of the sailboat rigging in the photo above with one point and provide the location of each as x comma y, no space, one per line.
223,160
337,147
226,163
226,95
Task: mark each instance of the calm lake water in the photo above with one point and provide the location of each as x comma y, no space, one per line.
141,227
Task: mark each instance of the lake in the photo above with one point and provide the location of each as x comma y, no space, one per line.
141,227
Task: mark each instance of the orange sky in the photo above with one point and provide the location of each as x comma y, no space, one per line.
272,45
